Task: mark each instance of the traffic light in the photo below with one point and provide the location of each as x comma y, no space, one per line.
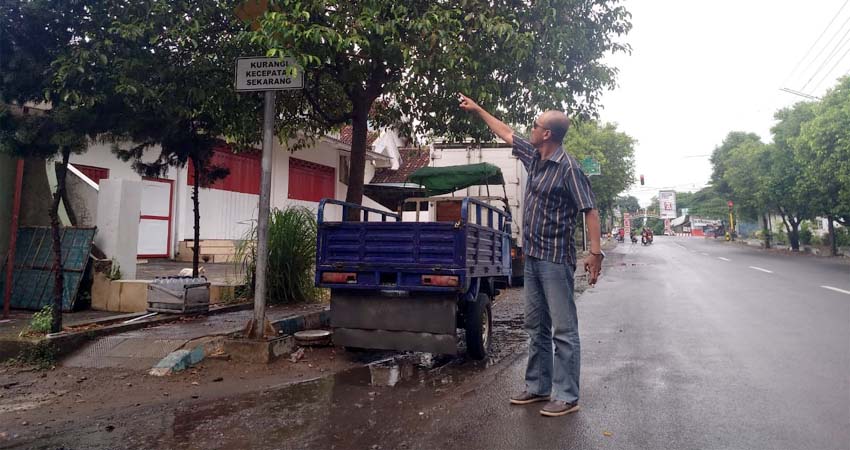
641,180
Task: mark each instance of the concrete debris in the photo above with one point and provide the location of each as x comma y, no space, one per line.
297,355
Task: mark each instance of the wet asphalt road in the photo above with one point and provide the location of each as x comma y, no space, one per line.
685,350
686,344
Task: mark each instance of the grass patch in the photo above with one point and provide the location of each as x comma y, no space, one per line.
41,355
39,323
291,260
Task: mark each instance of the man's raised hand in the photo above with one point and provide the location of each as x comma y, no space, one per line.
466,103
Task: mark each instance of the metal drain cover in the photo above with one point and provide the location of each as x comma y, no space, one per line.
313,337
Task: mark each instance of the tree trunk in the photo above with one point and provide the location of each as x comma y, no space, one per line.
357,164
196,248
69,210
794,235
766,231
58,275
833,245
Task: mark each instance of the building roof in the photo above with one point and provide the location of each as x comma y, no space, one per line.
346,132
412,159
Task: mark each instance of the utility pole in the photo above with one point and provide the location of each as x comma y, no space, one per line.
731,231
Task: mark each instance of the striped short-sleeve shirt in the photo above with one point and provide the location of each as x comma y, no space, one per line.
556,191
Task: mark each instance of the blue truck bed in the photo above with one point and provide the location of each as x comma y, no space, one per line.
392,254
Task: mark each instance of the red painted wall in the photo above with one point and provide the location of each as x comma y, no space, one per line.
94,173
310,181
245,171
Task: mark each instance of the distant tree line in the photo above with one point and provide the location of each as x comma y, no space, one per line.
803,174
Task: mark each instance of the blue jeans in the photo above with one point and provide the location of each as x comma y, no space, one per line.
550,318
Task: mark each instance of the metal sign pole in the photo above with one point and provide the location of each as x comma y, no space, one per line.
259,323
268,75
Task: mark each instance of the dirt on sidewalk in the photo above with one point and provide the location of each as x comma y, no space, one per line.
35,402
98,408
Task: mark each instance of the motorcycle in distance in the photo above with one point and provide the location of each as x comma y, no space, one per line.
646,238
634,238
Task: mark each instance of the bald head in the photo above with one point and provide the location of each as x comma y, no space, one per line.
557,122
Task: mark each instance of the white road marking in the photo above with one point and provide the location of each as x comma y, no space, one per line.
703,254
836,289
680,245
725,259
763,270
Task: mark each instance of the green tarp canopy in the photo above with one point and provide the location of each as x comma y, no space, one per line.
443,180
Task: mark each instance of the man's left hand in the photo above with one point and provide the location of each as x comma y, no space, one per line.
593,267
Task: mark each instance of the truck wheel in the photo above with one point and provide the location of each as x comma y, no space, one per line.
478,324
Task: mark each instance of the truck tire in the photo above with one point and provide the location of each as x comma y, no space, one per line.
478,325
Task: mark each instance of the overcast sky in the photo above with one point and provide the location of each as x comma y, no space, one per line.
699,70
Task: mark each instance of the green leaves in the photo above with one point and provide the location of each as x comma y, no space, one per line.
822,149
804,173
514,58
615,152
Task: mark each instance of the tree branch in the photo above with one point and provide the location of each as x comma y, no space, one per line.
314,102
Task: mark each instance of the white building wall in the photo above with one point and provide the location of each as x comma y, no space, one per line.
100,155
225,214
324,153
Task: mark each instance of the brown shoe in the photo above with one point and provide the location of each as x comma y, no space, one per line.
557,408
525,398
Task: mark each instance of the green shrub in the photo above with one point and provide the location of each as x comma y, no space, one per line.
42,356
41,320
842,236
805,234
292,256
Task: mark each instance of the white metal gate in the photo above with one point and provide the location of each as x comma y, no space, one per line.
155,218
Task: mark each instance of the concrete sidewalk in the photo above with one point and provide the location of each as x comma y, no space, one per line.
144,348
227,273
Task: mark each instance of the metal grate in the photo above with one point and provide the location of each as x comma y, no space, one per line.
32,281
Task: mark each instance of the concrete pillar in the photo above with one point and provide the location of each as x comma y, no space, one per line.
119,205
182,208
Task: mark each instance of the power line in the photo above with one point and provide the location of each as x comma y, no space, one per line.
828,43
840,44
832,69
816,42
829,57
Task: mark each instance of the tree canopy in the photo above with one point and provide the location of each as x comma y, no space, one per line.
804,173
170,62
615,152
823,151
402,63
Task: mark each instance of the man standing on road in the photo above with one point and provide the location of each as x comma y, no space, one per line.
556,191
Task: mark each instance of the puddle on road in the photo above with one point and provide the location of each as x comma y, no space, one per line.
401,368
330,412
390,373
351,409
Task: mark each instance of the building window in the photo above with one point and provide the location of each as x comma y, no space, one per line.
310,181
344,168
